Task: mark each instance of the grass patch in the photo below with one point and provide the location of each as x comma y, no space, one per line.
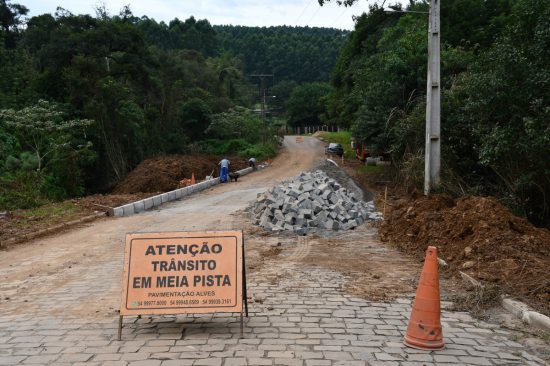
477,301
371,168
48,214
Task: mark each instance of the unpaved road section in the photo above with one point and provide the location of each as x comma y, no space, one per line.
66,264
313,300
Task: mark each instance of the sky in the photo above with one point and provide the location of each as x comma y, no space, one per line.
236,12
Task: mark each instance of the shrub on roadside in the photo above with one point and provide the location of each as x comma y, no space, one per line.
21,190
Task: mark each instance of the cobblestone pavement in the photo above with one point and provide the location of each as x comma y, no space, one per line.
299,315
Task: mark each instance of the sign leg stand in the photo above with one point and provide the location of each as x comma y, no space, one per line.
242,324
120,328
245,294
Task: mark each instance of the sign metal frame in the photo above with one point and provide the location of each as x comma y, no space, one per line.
174,237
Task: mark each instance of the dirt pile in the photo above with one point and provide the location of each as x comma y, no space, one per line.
479,236
163,173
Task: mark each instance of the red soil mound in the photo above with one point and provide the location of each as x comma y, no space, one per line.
163,173
479,236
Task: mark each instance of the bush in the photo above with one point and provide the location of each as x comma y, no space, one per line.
237,147
21,190
223,147
260,151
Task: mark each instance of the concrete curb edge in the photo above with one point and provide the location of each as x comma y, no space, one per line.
519,309
525,313
151,202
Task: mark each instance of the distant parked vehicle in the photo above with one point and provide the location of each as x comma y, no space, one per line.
334,148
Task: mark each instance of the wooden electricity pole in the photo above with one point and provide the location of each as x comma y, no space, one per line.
433,106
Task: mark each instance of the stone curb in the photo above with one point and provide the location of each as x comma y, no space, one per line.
525,313
125,210
148,203
517,308
51,229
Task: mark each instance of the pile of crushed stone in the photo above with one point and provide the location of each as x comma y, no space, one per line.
310,202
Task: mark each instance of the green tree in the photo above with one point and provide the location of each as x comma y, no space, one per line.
55,144
44,129
307,104
510,132
11,21
238,123
195,117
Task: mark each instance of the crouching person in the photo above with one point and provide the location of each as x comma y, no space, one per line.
252,163
224,170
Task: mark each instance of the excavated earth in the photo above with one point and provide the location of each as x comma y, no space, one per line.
152,176
163,173
479,236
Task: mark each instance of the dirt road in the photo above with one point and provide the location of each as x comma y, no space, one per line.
62,263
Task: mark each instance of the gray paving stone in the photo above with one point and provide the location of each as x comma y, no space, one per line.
445,358
308,355
114,363
318,362
250,354
11,360
74,357
235,361
508,356
209,362
420,357
280,354
474,360
41,359
288,362
194,355
165,355
108,357
145,363
387,357
327,348
338,356
140,356
27,351
260,361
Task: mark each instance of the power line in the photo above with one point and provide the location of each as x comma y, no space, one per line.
303,11
314,14
346,10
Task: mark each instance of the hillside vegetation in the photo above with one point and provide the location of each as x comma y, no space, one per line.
495,96
84,99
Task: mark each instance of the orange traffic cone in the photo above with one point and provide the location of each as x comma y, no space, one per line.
192,178
424,330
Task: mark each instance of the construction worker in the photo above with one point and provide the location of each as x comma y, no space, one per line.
224,170
252,163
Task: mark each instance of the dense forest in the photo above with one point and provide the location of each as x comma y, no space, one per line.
300,54
495,96
84,99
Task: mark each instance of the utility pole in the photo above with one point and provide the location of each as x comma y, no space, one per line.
262,90
433,107
264,106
